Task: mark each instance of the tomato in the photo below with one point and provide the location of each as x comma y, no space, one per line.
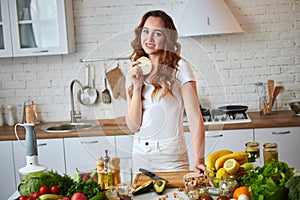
54,189
22,197
78,196
35,195
44,190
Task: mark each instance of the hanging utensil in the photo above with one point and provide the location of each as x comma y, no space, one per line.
93,81
89,94
106,97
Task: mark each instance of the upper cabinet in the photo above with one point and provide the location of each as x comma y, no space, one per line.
36,27
5,36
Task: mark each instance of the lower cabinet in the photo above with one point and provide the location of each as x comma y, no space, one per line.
233,140
7,183
288,143
124,151
50,154
83,152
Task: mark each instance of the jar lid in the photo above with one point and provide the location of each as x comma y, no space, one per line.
270,145
251,144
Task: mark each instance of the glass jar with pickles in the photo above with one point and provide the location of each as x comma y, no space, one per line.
253,151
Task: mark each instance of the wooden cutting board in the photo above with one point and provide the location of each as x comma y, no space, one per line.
175,178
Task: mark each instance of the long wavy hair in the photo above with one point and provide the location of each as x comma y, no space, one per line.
169,54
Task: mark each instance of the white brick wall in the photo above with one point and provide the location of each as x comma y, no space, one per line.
226,66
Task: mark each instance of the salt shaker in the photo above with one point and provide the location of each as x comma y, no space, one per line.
11,120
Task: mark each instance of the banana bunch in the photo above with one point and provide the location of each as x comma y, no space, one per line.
217,159
241,157
211,159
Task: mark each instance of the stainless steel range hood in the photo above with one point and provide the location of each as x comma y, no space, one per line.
207,17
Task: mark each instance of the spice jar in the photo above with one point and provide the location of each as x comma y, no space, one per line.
270,152
253,149
227,185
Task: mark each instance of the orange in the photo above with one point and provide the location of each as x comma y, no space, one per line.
241,190
231,166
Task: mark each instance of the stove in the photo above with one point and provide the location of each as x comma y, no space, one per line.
218,116
222,115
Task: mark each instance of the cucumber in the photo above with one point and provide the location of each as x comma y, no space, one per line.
50,197
100,196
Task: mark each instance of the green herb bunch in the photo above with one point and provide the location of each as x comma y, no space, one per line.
267,182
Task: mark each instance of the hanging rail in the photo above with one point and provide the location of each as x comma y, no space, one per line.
102,59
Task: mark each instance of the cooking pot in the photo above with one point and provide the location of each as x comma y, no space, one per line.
295,106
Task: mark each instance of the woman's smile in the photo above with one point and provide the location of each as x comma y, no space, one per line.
150,45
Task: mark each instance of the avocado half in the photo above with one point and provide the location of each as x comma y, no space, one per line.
159,186
145,187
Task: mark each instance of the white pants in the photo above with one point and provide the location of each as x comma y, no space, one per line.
160,155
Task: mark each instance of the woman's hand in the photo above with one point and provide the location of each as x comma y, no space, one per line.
135,75
200,168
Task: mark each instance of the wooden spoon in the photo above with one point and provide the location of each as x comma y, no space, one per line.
271,92
277,91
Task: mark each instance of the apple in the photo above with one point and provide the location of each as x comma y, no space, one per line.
78,196
248,166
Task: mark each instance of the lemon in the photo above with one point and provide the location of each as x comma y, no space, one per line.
221,173
231,166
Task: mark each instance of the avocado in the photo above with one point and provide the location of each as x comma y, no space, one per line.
145,187
159,186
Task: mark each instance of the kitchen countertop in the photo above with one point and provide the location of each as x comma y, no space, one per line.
117,126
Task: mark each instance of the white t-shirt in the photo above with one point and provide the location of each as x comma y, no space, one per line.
163,118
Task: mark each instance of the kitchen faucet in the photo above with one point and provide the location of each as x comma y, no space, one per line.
74,115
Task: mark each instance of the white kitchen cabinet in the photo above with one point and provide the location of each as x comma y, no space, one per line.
287,139
124,146
50,154
233,140
37,27
83,152
5,36
7,183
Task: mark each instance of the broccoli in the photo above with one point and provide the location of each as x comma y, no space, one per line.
293,184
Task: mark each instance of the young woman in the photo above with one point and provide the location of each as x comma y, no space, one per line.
156,101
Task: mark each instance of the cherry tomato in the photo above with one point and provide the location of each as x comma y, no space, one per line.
35,195
22,197
54,189
44,190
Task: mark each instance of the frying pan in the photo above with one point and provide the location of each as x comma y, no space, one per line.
231,110
234,108
89,94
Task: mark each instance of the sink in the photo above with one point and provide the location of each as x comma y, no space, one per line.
64,127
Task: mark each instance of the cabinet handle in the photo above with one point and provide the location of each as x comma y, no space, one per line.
90,142
41,51
281,133
213,136
42,144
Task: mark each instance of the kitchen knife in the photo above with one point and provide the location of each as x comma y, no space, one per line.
151,174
